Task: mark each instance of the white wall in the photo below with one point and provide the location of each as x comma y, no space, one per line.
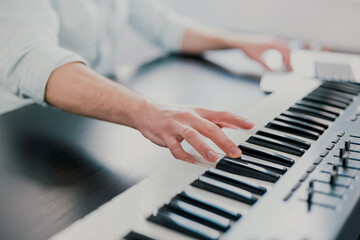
335,22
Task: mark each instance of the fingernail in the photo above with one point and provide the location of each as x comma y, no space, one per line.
235,152
211,155
249,124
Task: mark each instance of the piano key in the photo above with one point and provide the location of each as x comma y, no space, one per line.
329,102
332,96
280,169
265,154
333,93
160,232
199,215
275,144
305,118
320,107
313,112
209,204
241,207
183,225
285,138
340,88
235,180
353,85
137,236
285,127
247,170
224,189
300,124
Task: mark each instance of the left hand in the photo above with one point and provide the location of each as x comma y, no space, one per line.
255,46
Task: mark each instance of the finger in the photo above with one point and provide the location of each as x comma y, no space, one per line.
286,58
225,118
226,125
177,151
285,52
215,134
195,140
264,65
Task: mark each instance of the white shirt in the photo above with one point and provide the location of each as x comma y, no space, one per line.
38,36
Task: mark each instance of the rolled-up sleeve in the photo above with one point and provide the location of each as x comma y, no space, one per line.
158,23
29,50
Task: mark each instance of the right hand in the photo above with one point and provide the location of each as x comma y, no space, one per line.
169,125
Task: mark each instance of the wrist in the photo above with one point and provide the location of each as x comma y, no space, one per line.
233,41
138,112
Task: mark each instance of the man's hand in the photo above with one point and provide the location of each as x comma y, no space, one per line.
168,126
254,47
200,39
76,88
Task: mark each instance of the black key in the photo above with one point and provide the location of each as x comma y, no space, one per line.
275,144
183,225
330,92
137,236
320,107
211,206
305,118
285,127
276,168
329,102
247,170
340,88
266,155
198,215
224,189
313,112
285,138
234,180
332,97
301,124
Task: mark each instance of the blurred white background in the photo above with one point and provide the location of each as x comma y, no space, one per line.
333,22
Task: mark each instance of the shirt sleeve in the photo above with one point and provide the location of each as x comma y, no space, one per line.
29,50
158,23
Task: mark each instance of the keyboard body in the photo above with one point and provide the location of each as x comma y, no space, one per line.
283,212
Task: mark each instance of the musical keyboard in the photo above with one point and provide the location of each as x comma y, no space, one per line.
298,178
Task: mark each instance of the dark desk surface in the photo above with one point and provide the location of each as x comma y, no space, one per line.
56,167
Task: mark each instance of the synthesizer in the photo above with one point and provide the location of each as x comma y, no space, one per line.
298,178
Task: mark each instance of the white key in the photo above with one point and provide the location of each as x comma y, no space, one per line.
159,232
290,135
260,161
235,177
225,186
204,214
272,150
241,207
189,192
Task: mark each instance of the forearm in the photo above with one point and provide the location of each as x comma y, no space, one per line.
196,41
76,88
201,38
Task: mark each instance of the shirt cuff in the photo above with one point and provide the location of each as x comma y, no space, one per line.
40,64
173,32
